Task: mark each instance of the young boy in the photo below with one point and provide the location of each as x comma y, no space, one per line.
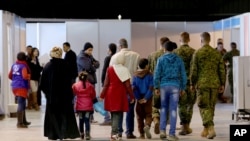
143,91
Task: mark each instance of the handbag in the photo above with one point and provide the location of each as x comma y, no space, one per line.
99,107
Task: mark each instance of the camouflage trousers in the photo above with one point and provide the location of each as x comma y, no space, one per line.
186,104
206,100
156,105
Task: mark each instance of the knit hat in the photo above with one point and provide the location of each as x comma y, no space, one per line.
87,46
112,48
56,52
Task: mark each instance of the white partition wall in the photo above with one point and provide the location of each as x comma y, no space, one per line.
241,82
111,31
143,38
11,30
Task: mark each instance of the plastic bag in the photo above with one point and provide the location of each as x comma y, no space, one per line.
99,107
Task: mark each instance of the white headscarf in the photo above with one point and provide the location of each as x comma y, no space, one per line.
121,71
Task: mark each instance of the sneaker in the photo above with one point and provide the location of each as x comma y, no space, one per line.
142,136
115,138
172,138
87,136
131,136
163,135
120,135
147,132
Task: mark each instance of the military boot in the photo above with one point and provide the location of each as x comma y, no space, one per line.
204,133
157,125
211,132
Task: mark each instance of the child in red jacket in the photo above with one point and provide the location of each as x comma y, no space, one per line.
85,94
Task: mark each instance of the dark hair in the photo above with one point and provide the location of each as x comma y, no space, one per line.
164,40
170,46
21,56
143,63
33,49
83,77
233,44
87,45
112,48
29,46
219,43
66,44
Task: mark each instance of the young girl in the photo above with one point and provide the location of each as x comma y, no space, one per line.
20,76
85,94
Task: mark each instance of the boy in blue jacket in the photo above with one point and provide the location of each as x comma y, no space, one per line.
143,91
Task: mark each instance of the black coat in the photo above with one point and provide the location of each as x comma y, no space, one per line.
70,57
60,121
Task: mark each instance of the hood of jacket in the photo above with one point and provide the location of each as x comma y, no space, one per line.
170,57
141,72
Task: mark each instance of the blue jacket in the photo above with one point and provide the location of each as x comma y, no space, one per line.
142,84
170,70
17,78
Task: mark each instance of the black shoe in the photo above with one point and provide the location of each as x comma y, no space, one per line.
26,123
131,136
105,123
120,135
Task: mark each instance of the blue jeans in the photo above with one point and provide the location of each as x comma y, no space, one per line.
84,119
130,119
21,101
169,103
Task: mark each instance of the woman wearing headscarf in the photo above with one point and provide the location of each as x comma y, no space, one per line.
115,92
60,122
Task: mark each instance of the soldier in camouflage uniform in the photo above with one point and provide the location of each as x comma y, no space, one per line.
152,58
186,101
207,75
228,58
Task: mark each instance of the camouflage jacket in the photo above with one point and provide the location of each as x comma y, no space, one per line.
228,57
207,68
152,59
185,52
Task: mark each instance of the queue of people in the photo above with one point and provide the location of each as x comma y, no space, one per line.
170,81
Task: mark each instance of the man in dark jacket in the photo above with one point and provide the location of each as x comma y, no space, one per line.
111,52
70,57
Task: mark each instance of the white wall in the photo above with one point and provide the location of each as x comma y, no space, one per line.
11,33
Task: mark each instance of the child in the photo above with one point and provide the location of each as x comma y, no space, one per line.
20,76
85,94
143,89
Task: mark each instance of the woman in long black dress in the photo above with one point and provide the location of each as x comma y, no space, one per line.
60,121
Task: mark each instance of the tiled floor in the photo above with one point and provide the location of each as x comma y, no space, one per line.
223,118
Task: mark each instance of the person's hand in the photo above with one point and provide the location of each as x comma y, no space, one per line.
141,101
192,89
132,101
100,99
182,93
157,92
221,89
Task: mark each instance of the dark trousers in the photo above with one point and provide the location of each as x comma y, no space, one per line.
115,122
21,101
84,119
130,119
144,112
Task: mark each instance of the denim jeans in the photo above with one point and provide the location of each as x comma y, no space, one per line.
169,103
21,101
130,119
84,119
115,119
